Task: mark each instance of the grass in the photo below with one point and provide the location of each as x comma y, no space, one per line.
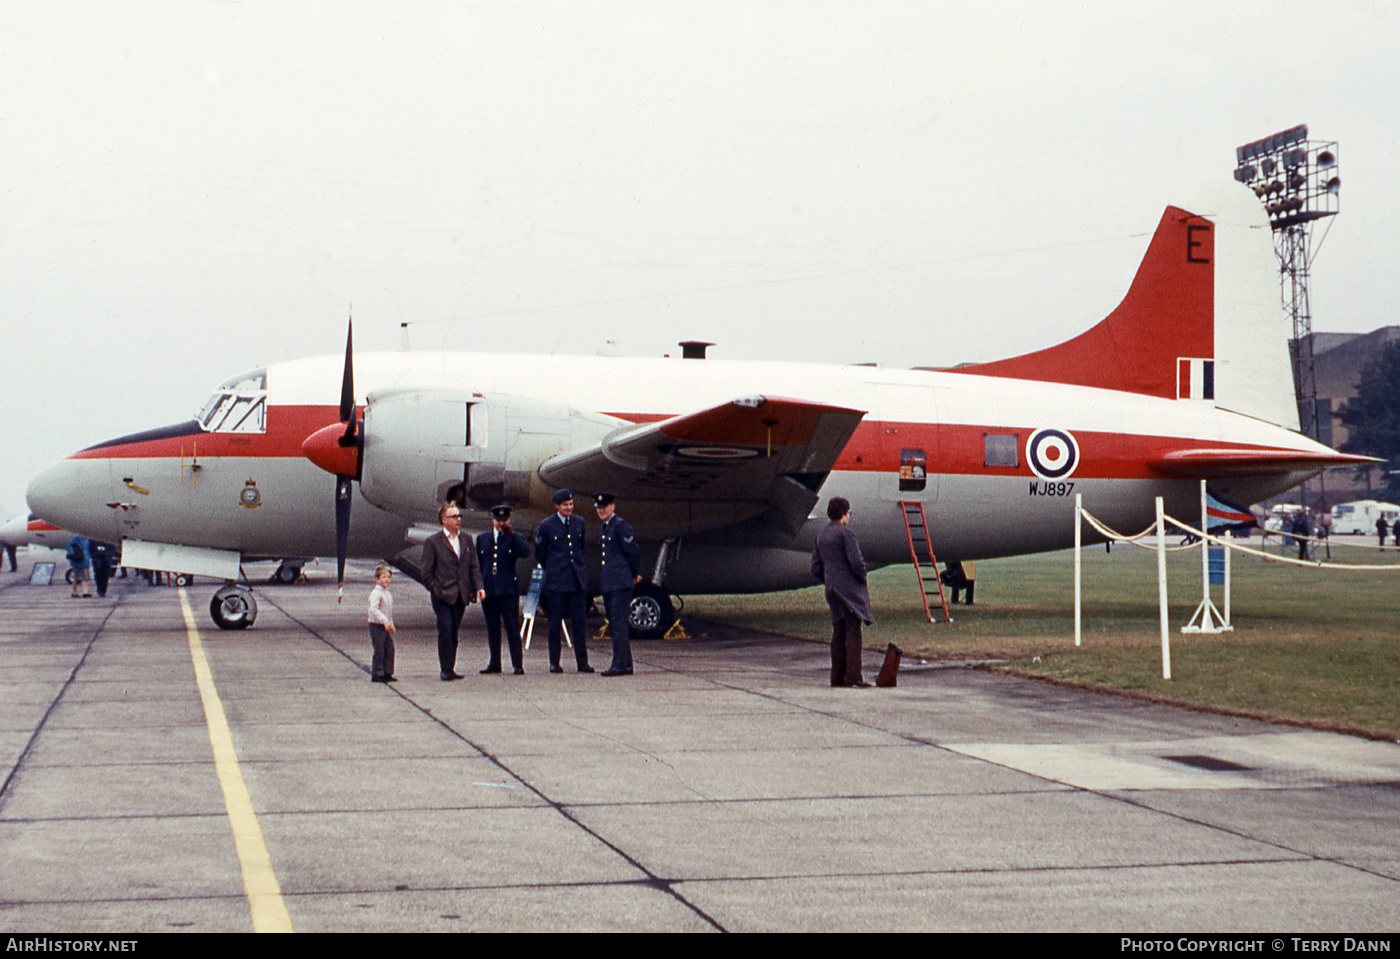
1312,646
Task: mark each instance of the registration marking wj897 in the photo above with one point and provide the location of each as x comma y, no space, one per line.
1050,488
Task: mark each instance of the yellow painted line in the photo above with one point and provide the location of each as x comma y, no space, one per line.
259,880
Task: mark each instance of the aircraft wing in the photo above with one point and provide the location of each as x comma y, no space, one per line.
1213,463
715,467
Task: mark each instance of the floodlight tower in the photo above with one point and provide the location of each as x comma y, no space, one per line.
1297,180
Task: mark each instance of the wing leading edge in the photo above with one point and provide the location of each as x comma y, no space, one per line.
715,467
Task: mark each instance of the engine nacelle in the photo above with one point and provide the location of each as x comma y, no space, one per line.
421,443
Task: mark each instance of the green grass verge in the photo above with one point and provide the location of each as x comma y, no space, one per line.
1320,647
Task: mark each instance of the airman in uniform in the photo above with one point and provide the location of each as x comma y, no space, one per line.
559,549
622,569
497,551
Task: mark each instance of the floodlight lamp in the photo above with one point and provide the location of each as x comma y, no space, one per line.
1268,167
1326,159
1334,185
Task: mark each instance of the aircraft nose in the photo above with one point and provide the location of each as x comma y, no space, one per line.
73,494
12,531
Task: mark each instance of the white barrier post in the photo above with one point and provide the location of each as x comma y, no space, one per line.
1078,536
1205,564
1228,551
1162,589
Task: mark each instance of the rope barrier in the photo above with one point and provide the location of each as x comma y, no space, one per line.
1292,561
1133,540
1130,540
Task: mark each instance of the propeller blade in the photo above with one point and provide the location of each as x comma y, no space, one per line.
347,381
343,495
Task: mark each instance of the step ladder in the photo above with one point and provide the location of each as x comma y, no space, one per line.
925,563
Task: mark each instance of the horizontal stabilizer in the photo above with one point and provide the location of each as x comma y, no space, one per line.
1213,463
718,466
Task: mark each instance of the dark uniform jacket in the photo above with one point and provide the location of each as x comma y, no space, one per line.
559,549
449,579
497,556
836,561
622,557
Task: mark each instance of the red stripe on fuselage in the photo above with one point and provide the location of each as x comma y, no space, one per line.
287,428
875,446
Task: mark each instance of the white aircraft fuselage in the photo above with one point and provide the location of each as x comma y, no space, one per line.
1181,383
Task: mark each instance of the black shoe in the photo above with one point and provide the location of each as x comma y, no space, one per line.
448,677
518,671
860,685
378,679
490,669
556,668
617,672
585,669
391,679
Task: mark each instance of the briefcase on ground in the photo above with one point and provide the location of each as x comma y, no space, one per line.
889,672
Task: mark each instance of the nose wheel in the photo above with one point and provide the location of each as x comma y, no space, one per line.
233,607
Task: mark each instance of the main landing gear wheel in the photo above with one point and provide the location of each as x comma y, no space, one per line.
233,607
652,612
287,575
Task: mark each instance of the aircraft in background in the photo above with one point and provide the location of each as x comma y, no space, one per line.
32,531
723,467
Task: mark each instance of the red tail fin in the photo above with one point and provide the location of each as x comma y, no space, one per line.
1167,316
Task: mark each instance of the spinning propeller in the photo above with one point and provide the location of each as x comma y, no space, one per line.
339,449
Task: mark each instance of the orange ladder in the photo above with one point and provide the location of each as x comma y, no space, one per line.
925,563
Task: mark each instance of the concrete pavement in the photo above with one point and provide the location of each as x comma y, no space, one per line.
725,786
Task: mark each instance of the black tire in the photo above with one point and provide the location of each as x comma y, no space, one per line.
652,612
233,608
286,575
184,579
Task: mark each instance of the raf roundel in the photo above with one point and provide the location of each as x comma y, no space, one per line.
1052,454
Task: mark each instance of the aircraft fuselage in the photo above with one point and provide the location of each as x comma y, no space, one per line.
995,462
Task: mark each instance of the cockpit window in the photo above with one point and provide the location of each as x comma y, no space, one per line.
239,405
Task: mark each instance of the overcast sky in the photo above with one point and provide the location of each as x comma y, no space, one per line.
191,189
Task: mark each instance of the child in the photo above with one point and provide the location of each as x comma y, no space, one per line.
381,627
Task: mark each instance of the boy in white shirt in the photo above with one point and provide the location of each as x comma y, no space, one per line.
381,627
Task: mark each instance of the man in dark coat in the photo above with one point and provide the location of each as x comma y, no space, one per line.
622,569
559,549
453,578
497,552
837,563
102,564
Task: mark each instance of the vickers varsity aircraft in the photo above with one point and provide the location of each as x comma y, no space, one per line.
723,467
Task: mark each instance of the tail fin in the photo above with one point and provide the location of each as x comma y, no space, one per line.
1201,320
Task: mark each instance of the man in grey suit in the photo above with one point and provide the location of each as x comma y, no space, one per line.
453,578
837,563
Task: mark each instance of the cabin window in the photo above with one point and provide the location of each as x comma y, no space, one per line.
913,470
1000,449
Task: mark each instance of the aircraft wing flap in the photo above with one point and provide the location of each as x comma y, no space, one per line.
1213,463
716,466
